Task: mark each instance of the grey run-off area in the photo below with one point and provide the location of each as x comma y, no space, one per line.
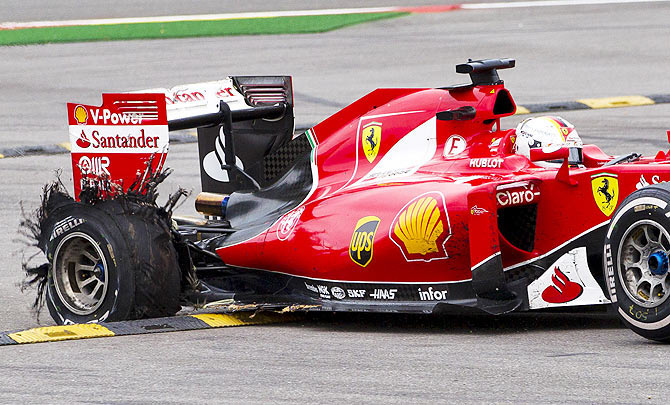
563,53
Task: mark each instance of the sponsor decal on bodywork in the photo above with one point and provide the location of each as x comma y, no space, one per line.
605,188
567,282
97,165
405,157
288,222
80,115
655,179
371,138
337,292
562,289
475,210
383,293
362,240
520,193
491,163
432,295
421,228
200,98
319,289
118,138
213,162
455,145
356,293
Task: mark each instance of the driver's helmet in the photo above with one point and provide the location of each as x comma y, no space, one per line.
549,133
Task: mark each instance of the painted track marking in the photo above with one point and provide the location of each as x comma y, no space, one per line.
320,12
142,326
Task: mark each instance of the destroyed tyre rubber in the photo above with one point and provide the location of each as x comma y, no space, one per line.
636,262
108,264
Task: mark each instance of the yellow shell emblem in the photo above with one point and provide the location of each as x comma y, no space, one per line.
605,188
371,137
80,114
421,228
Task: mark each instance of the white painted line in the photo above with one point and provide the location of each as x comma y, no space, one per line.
198,17
550,3
298,13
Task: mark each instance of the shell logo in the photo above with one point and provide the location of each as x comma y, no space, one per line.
80,114
422,228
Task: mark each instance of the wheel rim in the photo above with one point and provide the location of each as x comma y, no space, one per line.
643,263
80,273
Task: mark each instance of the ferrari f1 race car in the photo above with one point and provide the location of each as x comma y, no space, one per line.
407,200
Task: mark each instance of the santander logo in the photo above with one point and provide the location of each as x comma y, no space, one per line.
563,290
83,141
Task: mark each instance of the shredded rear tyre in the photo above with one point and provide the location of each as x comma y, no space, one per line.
109,259
109,262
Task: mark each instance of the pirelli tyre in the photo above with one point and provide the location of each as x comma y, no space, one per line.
636,262
108,263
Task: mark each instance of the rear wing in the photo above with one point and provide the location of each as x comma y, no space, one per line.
240,120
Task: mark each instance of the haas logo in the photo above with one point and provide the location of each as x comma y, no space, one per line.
562,290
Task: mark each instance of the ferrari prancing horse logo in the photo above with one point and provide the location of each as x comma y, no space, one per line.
371,138
605,188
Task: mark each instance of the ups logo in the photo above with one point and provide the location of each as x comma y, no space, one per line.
362,240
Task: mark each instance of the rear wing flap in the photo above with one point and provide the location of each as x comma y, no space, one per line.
240,120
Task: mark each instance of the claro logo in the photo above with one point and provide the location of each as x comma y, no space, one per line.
97,141
509,195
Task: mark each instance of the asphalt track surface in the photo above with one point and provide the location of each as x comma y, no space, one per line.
563,53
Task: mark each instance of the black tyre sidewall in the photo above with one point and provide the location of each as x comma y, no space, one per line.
100,226
156,269
632,310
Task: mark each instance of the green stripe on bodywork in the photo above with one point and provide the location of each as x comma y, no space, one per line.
311,138
183,29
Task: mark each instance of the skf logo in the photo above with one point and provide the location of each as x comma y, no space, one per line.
422,228
362,240
371,138
80,114
605,188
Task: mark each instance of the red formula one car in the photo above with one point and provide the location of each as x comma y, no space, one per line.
407,200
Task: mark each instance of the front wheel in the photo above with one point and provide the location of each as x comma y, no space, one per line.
636,262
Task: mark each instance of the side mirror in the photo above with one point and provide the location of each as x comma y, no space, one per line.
563,174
